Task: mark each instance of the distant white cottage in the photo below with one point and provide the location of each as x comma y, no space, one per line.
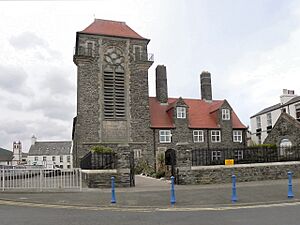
263,121
50,154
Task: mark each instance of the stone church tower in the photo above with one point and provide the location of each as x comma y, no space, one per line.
17,152
112,90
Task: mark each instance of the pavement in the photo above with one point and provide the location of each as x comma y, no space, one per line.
151,193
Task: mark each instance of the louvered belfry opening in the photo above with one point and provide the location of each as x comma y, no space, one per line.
114,84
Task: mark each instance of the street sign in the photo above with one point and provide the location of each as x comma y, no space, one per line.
229,162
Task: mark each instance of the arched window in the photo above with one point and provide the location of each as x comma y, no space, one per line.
285,144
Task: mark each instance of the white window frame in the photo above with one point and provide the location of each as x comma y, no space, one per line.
216,155
44,158
181,112
198,136
53,158
137,153
165,136
237,136
36,158
61,158
215,136
238,154
225,114
297,110
258,122
68,159
269,119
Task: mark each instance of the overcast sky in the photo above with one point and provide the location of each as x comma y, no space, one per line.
251,49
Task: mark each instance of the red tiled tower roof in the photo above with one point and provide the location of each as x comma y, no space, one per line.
201,114
111,28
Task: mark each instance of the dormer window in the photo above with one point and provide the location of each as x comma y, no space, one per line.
181,112
225,114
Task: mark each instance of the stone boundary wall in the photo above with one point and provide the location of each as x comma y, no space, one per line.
243,172
102,178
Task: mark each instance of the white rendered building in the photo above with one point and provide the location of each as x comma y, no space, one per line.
50,154
263,121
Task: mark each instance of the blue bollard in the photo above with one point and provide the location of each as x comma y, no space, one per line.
173,199
290,186
113,194
233,196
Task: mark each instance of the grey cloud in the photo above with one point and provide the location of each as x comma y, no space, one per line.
27,40
23,130
57,83
13,80
54,108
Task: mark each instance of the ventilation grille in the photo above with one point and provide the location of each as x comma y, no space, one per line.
114,95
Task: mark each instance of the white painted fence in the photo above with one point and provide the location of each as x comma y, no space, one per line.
40,179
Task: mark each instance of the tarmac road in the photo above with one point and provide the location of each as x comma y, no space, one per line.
43,215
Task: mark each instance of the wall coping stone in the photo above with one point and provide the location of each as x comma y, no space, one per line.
245,165
124,170
98,171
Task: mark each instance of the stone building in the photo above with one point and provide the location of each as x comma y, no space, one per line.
6,157
263,121
285,133
17,153
114,108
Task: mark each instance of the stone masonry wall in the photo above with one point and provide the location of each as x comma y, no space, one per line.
102,178
243,172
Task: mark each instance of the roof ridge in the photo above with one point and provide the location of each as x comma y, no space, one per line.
114,21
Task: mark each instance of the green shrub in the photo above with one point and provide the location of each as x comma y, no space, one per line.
101,149
142,166
271,146
160,174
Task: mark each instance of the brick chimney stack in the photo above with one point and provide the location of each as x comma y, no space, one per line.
161,84
205,81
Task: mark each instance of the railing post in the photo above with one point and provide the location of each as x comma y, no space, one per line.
3,178
80,180
173,198
113,194
233,196
290,185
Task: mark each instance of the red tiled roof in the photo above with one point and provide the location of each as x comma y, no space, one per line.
201,114
111,28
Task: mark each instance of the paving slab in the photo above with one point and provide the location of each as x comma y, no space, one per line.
153,193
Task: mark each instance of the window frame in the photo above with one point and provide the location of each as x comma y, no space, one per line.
166,135
238,154
237,136
181,112
53,158
61,158
269,119
225,114
216,155
258,122
215,136
196,136
297,112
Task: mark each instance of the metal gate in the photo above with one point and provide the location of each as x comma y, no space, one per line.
40,179
132,172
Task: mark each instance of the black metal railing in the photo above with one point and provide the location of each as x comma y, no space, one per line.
98,161
207,157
